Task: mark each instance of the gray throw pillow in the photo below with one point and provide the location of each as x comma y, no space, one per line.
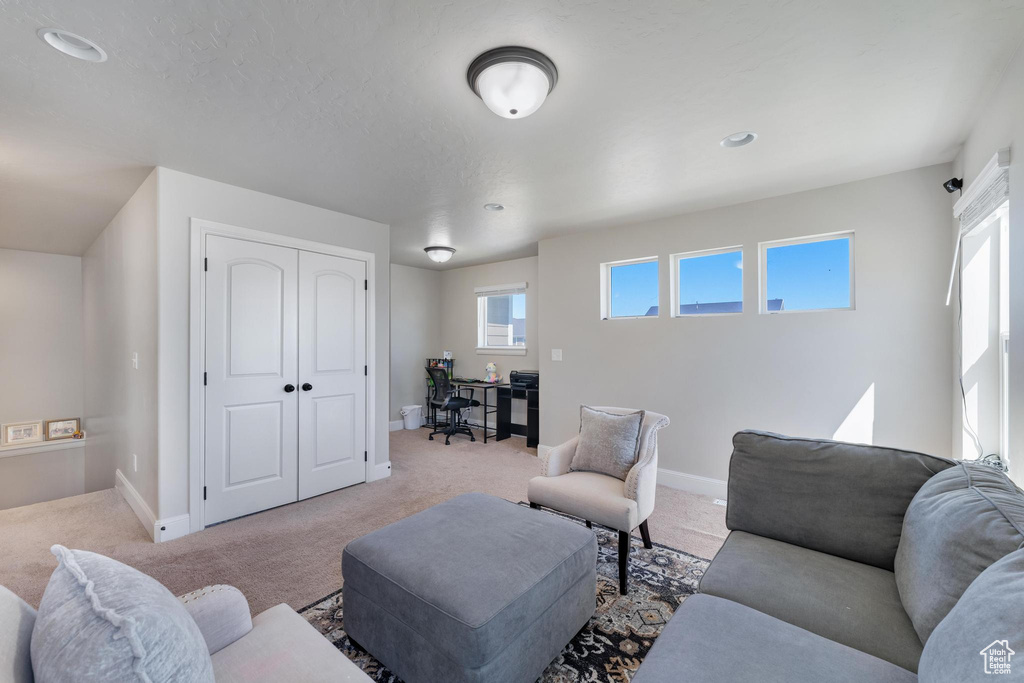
979,633
608,443
960,522
100,620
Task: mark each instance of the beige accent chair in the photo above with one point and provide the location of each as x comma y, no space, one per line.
599,498
276,645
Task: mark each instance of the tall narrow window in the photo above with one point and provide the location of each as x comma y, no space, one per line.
501,319
629,289
708,282
807,274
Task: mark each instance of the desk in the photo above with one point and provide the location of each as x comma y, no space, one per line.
489,406
506,428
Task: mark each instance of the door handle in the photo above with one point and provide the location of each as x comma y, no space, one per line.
289,388
307,386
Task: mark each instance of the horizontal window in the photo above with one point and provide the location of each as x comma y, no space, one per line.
708,282
807,274
629,289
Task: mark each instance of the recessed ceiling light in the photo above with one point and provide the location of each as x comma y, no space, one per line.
494,207
439,254
72,45
512,81
739,139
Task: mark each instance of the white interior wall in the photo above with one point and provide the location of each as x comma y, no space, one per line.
459,321
182,197
415,333
119,302
879,373
1001,124
41,367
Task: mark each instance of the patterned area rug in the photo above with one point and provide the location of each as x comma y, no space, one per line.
618,637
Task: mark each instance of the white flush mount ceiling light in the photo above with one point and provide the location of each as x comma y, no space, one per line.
512,81
439,254
494,207
72,45
739,139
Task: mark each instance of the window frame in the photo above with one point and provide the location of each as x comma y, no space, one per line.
762,288
674,260
606,288
482,294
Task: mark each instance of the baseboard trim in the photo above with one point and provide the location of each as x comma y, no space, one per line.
693,483
135,502
381,471
396,425
171,528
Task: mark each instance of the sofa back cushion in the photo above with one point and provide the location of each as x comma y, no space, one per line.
100,620
961,521
16,620
979,634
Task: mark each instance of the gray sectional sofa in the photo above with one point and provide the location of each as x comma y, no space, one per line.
853,563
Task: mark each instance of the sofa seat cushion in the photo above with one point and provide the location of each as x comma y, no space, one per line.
713,640
282,646
470,575
985,625
592,496
849,602
959,523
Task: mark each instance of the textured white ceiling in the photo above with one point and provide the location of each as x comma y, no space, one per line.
363,107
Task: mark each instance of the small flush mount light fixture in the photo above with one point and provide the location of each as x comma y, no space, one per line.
493,207
72,45
739,139
439,254
512,81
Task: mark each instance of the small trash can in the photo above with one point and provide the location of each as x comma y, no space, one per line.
411,415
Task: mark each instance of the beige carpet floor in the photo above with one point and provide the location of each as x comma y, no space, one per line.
292,553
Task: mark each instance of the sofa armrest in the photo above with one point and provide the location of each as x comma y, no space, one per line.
557,460
221,612
838,498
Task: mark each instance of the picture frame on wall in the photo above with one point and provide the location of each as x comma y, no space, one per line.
16,433
64,428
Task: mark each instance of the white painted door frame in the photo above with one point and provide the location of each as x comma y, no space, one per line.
200,228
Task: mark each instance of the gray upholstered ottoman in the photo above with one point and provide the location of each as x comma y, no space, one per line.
474,589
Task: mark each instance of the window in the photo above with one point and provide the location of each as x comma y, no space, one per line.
807,274
629,289
708,282
501,319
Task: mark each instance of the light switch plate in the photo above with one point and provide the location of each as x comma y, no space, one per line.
556,354
135,463
135,361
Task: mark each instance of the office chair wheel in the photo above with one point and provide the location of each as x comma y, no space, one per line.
472,438
431,437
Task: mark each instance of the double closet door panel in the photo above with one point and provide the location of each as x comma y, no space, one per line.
276,317
251,355
332,366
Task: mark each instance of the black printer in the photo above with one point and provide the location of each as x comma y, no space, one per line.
524,379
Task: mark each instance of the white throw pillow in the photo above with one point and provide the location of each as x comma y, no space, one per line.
609,443
100,620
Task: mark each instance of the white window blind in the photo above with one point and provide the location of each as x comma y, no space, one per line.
498,290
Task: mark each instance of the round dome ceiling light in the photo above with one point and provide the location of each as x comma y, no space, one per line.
493,207
739,139
439,254
72,45
512,81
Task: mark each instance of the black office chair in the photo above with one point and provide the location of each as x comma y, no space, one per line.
445,398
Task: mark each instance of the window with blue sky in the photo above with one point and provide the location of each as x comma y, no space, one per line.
809,275
634,289
710,283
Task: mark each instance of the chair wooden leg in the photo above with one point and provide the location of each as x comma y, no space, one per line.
535,506
589,525
623,561
646,534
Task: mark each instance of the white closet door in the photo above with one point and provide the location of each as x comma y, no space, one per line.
251,360
332,362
